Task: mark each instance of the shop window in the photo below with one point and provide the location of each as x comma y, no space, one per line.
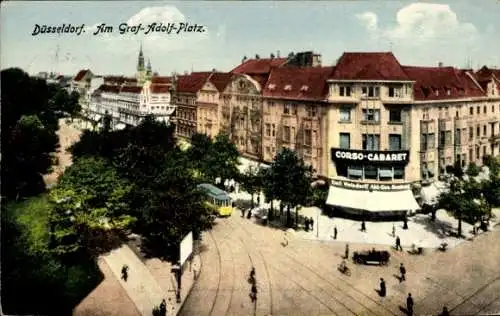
371,172
399,172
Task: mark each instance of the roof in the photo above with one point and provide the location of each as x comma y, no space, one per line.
161,80
441,83
220,80
258,66
108,88
81,74
159,88
486,72
131,89
192,83
119,79
368,66
298,83
214,191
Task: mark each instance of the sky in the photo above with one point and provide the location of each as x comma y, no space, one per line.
457,33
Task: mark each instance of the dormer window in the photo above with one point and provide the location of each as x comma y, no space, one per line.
288,87
448,91
436,92
272,86
304,88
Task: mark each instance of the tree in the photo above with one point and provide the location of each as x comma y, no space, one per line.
172,207
222,160
90,207
270,188
473,170
252,180
199,151
293,180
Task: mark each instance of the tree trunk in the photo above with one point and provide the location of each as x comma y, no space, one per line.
288,215
296,217
460,226
271,212
252,201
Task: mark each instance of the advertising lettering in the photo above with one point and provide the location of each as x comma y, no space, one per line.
373,156
371,186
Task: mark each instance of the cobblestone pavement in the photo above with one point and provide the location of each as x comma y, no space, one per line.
302,278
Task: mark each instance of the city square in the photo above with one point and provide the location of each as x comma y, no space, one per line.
197,159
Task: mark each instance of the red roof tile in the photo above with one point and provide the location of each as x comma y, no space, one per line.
108,88
258,66
192,83
131,89
79,76
220,80
298,83
486,72
441,83
368,66
161,80
159,88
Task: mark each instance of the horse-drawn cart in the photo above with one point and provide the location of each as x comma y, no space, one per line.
371,257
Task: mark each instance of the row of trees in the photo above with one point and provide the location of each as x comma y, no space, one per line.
470,198
30,113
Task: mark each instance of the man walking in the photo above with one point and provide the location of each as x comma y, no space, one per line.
363,226
402,269
163,308
335,232
346,251
125,272
383,289
253,294
398,244
393,231
409,304
311,221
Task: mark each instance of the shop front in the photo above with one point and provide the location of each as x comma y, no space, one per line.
371,183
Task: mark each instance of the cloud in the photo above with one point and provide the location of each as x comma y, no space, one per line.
421,23
155,41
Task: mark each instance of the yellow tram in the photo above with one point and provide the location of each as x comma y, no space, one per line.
217,198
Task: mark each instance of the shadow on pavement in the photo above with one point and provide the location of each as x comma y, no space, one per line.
437,227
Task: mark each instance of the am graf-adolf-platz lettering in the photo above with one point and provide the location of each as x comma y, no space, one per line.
122,29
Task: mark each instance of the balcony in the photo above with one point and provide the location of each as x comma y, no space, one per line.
445,124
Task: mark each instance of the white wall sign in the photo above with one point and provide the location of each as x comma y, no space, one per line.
186,247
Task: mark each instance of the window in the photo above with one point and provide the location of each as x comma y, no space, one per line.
307,137
293,134
423,142
471,133
457,136
273,130
484,109
478,110
431,141
268,130
371,172
471,111
441,139
311,111
394,142
286,133
371,115
399,172
484,151
484,130
395,116
345,114
477,153
447,139
478,131
345,141
371,92
345,91
371,141
492,109
287,109
392,92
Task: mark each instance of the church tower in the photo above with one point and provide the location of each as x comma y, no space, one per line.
149,71
141,71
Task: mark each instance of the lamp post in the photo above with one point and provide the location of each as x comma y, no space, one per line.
317,222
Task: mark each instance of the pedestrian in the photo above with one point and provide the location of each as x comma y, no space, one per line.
393,231
445,312
335,232
253,295
285,243
402,269
242,212
347,251
363,226
311,221
405,223
249,214
306,223
163,308
398,244
252,275
409,304
383,289
125,272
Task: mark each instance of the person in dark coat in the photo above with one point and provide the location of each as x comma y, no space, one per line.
383,290
125,272
445,312
402,269
363,226
398,244
306,223
335,232
311,221
163,308
409,304
346,251
253,294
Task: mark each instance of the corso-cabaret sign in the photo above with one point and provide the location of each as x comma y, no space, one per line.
400,156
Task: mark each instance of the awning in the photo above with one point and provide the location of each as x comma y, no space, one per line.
375,201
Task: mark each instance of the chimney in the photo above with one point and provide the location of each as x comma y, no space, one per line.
272,56
257,56
440,64
244,59
278,53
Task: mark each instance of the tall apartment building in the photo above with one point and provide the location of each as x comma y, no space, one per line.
370,125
